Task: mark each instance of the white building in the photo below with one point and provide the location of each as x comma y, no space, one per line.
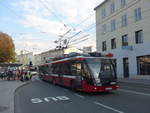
44,57
123,28
37,59
25,58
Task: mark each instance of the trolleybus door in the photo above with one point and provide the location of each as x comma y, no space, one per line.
60,74
61,82
78,81
76,71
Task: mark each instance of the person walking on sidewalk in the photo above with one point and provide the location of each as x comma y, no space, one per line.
10,75
14,74
28,76
22,74
17,74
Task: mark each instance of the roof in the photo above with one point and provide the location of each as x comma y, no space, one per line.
74,58
100,4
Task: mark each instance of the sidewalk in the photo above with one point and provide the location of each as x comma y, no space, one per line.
138,80
7,89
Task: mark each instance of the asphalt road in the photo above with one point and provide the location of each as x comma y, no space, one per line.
42,97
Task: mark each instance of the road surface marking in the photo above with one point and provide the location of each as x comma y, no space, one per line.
48,99
107,107
36,100
79,95
63,98
134,92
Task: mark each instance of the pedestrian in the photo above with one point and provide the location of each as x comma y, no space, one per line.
14,74
10,75
17,74
22,73
27,76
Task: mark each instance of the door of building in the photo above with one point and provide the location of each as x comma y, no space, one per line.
126,67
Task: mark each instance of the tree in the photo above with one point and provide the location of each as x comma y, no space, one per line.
7,48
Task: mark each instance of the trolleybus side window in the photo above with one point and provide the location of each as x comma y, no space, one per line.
43,69
73,69
46,69
57,69
76,68
61,68
66,69
86,72
79,68
49,69
54,68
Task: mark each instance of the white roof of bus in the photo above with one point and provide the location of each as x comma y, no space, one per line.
71,58
75,57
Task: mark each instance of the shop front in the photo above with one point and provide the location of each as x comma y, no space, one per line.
143,65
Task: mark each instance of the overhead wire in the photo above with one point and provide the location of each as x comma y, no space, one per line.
79,38
117,23
92,26
68,38
78,42
102,22
43,3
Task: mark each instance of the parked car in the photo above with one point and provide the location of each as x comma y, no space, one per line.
3,75
33,73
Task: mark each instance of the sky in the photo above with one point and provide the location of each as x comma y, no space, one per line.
35,25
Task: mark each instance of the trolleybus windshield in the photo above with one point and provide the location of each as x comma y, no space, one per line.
101,68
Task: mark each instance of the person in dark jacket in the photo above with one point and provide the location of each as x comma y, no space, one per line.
10,75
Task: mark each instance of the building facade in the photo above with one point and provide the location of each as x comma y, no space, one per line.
37,59
44,57
25,58
123,28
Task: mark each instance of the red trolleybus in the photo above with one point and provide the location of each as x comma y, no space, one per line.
87,73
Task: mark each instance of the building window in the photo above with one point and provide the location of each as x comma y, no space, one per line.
137,14
143,65
104,46
125,40
113,43
112,7
123,3
113,25
139,36
104,29
124,20
103,13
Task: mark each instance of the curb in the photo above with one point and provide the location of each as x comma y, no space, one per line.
14,106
